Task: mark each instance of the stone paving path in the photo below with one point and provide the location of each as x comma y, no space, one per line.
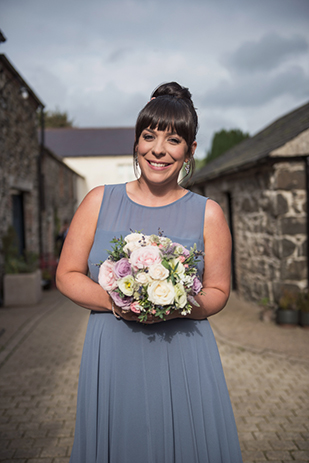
38,386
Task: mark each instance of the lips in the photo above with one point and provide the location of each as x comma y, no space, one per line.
158,164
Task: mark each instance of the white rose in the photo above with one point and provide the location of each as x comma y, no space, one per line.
135,241
143,278
158,272
161,292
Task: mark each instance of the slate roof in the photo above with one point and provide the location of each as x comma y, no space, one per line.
258,147
76,142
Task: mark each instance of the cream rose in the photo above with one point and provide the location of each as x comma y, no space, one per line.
143,278
135,241
158,272
161,292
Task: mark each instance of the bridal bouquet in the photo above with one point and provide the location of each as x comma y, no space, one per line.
151,275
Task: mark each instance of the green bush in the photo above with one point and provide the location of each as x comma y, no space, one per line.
288,300
303,302
13,261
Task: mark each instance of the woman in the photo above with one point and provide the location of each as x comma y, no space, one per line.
152,392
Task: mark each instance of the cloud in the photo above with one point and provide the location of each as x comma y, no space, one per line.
118,54
267,53
258,90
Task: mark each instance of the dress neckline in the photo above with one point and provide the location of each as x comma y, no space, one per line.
154,207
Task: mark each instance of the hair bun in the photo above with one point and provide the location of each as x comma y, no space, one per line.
172,89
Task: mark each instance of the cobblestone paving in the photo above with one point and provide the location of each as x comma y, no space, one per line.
38,386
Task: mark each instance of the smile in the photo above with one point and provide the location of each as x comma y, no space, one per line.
157,164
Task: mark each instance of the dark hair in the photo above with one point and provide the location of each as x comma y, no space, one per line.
171,107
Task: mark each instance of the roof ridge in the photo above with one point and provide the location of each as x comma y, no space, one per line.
272,136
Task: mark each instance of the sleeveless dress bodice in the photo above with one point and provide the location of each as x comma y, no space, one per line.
182,221
151,393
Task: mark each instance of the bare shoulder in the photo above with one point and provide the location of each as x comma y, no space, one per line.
94,196
215,224
93,199
213,211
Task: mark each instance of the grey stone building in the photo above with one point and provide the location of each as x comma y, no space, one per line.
59,200
19,154
37,190
262,186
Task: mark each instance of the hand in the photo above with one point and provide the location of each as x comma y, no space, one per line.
130,316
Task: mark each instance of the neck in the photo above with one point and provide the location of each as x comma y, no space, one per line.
154,195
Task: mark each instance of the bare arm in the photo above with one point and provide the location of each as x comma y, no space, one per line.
71,276
217,261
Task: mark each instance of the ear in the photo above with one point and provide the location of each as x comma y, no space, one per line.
191,151
135,147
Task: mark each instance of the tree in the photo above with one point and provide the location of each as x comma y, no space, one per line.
223,141
56,119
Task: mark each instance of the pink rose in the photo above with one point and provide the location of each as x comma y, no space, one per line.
145,256
123,302
106,276
135,307
197,286
181,258
122,268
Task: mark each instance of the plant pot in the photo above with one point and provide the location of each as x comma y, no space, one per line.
22,289
287,317
304,319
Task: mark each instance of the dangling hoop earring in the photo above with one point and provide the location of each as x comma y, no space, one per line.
188,166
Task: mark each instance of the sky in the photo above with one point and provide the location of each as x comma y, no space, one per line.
246,62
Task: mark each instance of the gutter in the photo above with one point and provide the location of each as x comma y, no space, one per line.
41,199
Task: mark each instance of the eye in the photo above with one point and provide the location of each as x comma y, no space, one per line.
147,136
174,140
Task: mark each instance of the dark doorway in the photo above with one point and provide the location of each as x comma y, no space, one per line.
231,225
18,220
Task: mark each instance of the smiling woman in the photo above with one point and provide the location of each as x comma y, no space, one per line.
170,110
160,156
151,389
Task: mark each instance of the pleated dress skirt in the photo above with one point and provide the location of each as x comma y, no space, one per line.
152,394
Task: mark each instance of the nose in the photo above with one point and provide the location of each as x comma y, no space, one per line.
158,149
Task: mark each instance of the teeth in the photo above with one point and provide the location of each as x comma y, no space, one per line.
156,164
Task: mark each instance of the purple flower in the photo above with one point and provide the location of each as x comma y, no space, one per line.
197,285
123,302
122,268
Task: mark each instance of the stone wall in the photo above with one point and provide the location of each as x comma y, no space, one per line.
19,151
269,227
60,199
19,155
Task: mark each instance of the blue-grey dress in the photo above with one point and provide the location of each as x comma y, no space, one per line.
151,393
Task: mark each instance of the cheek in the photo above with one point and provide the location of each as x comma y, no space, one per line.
141,148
